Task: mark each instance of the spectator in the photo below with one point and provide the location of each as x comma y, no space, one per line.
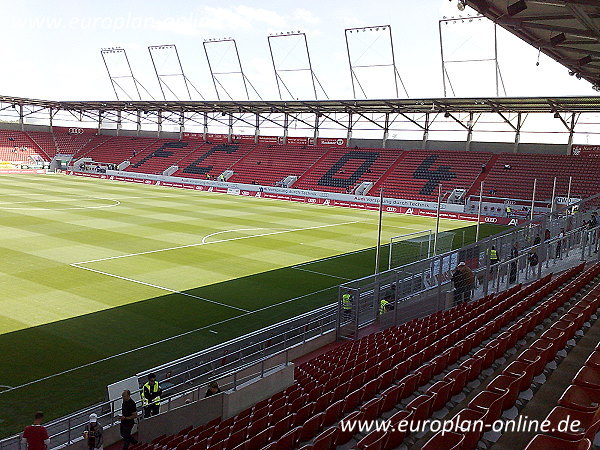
561,236
35,437
92,433
494,258
514,253
128,415
507,167
347,300
464,281
547,234
213,388
151,393
384,306
483,168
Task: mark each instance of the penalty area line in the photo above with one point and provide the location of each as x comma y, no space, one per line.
321,273
162,341
174,291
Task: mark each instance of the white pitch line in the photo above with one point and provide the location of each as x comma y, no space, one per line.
214,242
177,336
297,266
321,273
174,291
227,231
116,203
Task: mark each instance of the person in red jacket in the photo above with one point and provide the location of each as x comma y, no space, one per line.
35,437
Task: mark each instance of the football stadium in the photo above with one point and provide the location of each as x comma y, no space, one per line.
285,246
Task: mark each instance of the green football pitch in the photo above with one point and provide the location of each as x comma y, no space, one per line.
95,276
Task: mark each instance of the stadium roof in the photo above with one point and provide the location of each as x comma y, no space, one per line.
568,31
406,106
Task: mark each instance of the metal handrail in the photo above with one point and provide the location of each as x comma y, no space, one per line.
107,411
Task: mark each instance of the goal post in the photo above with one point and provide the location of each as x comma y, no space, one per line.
406,248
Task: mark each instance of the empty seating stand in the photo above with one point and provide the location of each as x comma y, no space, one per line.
212,160
17,146
517,181
162,154
393,373
342,170
269,164
118,149
419,173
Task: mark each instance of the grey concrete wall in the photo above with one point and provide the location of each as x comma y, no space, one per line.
276,380
492,147
195,414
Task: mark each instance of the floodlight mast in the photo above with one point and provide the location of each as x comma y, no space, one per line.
354,76
113,78
277,70
214,74
181,73
499,81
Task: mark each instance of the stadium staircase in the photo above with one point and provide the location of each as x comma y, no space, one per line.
91,146
44,141
436,366
475,187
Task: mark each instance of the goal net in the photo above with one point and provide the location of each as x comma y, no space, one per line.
411,247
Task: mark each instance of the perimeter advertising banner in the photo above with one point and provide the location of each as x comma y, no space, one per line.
75,130
391,205
586,150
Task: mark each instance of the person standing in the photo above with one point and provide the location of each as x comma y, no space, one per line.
383,306
494,258
213,388
514,266
151,393
92,433
347,305
128,415
463,279
35,437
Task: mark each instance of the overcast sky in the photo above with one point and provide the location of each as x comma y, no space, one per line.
51,50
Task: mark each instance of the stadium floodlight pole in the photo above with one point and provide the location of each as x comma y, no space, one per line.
437,220
479,212
533,197
245,81
553,196
177,73
120,52
278,78
385,64
379,231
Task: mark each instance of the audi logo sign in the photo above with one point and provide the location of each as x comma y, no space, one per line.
75,130
491,219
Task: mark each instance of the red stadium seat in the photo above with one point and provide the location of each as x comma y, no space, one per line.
581,398
543,442
446,441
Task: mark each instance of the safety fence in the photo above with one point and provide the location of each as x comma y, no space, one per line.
549,243
231,364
